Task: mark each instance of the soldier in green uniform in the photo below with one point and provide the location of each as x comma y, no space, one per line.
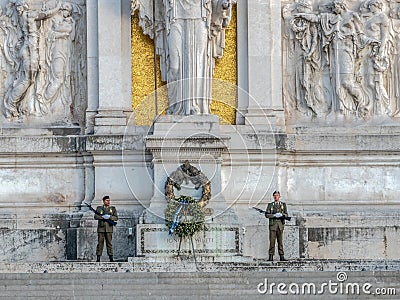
276,213
104,229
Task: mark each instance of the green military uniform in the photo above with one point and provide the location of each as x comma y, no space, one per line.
104,229
276,225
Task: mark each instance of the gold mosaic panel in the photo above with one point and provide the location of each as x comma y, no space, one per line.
224,84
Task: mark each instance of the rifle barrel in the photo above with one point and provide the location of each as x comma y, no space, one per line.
263,211
111,222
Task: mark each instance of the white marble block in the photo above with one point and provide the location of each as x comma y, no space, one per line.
153,240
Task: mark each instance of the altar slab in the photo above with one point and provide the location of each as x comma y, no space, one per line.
153,240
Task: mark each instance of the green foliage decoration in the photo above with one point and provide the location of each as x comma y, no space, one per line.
192,216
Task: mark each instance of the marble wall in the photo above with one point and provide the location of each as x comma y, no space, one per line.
337,172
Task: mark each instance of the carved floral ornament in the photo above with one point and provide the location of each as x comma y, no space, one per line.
185,173
341,57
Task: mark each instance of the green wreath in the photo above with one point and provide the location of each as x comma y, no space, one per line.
191,216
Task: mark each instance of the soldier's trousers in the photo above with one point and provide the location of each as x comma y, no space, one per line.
275,235
107,236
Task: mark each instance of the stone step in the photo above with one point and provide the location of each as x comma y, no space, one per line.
238,293
174,264
132,293
225,280
105,276
117,280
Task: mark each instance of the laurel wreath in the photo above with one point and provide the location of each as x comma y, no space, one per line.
193,217
188,173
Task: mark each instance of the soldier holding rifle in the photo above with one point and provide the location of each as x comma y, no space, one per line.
276,213
106,216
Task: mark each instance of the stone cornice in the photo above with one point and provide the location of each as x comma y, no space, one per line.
300,144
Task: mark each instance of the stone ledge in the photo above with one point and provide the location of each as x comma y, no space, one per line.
215,264
176,125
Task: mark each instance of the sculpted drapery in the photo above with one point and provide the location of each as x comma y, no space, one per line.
345,51
41,62
189,37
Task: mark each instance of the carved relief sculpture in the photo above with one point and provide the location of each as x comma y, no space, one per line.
343,52
394,71
190,35
60,37
376,27
7,31
38,50
305,50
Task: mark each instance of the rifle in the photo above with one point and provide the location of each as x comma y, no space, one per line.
111,222
263,211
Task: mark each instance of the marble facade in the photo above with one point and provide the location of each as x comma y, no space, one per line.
336,172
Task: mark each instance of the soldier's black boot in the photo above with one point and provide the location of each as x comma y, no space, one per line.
111,258
98,258
283,258
271,258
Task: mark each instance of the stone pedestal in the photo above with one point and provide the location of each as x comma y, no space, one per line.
216,240
256,240
196,139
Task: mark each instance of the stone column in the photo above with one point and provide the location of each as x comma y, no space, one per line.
114,66
242,64
93,65
265,106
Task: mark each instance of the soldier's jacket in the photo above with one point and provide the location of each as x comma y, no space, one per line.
273,209
104,226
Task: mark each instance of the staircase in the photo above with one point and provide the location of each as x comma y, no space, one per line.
87,280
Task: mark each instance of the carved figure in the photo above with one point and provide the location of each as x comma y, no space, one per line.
395,65
28,56
190,35
376,28
340,29
341,40
60,37
307,61
4,58
42,61
347,54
